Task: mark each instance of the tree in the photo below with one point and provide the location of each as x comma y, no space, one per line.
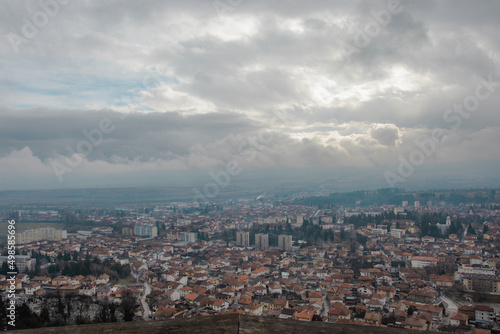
45,316
471,230
486,229
3,315
29,318
128,306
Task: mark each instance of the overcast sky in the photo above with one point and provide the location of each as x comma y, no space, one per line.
187,86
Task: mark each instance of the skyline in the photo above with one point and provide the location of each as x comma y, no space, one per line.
156,93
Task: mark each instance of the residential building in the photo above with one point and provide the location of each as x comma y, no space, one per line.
40,234
485,314
242,238
423,261
23,262
285,242
146,230
261,241
190,237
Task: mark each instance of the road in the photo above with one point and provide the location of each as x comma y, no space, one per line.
326,307
145,305
451,307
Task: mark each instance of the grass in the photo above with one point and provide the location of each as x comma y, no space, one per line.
124,281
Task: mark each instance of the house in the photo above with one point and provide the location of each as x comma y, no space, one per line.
384,280
315,297
103,279
220,305
275,289
191,297
373,319
255,309
60,281
279,304
388,291
229,291
364,290
41,279
435,311
413,323
69,289
469,311
459,319
380,297
164,312
87,289
259,272
423,261
421,296
31,288
339,313
24,278
485,314
77,279
287,313
103,291
443,281
185,290
374,305
173,295
305,315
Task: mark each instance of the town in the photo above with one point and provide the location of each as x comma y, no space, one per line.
425,264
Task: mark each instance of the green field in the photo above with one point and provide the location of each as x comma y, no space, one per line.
20,227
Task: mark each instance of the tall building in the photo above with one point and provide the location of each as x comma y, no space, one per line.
261,241
146,230
300,220
242,238
39,234
188,237
285,242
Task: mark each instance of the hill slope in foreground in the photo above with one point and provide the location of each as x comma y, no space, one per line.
232,323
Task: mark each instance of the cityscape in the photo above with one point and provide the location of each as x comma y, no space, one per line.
250,166
423,265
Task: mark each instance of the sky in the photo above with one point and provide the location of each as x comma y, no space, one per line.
115,93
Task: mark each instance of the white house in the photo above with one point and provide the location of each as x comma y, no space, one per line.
173,295
423,261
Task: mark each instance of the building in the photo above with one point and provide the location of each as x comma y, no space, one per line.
40,234
242,239
397,233
146,230
285,242
188,237
23,262
300,220
485,314
443,228
261,241
423,261
482,283
475,269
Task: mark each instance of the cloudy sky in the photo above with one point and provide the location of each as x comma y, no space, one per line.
97,93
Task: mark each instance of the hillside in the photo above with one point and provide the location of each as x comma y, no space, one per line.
233,323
